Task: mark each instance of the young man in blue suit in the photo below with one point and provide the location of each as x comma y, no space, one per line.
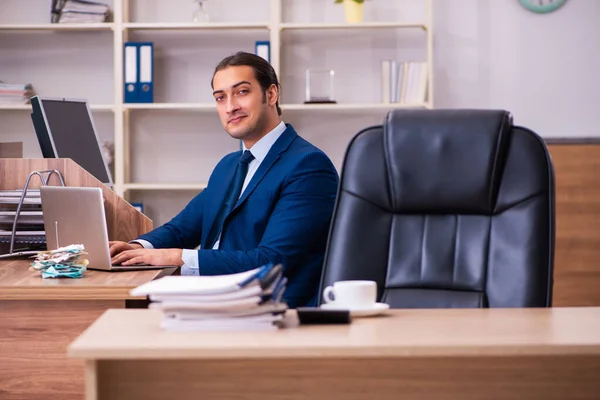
272,202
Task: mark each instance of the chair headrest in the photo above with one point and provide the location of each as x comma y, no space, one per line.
445,160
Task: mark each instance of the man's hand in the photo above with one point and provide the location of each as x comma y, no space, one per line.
118,247
149,257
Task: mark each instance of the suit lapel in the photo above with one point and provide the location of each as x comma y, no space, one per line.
278,147
220,193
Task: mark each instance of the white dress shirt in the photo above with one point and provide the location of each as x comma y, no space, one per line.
259,151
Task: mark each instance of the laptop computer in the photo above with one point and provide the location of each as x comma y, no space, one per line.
75,215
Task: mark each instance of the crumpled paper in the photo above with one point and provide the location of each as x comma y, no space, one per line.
64,262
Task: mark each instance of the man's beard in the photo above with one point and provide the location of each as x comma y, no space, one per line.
242,132
249,130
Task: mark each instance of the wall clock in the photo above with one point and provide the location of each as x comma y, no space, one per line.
542,6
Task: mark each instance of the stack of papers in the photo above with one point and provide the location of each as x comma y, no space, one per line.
29,232
81,11
249,300
17,93
64,262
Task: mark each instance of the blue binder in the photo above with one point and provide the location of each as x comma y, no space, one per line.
262,48
130,73
138,72
146,72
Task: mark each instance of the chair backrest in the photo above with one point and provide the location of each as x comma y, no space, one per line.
446,209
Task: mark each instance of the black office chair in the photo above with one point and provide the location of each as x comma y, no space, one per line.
446,209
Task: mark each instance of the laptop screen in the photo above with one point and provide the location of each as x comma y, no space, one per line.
68,127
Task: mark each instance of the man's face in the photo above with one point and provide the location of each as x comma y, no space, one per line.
240,102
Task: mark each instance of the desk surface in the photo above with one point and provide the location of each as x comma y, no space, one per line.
135,334
19,282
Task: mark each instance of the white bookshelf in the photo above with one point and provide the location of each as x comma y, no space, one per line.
290,107
182,123
349,106
57,27
354,26
192,26
170,106
165,186
27,107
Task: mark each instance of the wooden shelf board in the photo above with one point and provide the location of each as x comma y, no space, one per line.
193,26
57,27
27,107
364,25
164,186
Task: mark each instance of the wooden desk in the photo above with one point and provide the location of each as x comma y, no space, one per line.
40,317
413,354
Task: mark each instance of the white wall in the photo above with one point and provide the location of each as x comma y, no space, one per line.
543,68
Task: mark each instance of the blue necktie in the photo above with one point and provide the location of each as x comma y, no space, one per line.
231,197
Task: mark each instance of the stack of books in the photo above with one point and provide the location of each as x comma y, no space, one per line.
249,300
17,93
404,83
79,11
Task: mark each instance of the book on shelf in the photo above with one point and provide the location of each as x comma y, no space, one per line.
15,93
249,300
79,11
404,83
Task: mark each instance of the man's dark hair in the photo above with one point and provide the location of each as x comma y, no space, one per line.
263,71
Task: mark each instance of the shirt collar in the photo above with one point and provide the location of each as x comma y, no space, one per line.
260,149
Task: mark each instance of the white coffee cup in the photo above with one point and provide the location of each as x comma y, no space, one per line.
352,294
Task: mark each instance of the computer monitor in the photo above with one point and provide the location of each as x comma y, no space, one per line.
65,129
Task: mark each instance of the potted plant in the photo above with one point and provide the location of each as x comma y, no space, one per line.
353,9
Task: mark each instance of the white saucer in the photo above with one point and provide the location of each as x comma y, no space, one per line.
375,309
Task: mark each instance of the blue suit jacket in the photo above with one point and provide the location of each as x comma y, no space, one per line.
283,216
